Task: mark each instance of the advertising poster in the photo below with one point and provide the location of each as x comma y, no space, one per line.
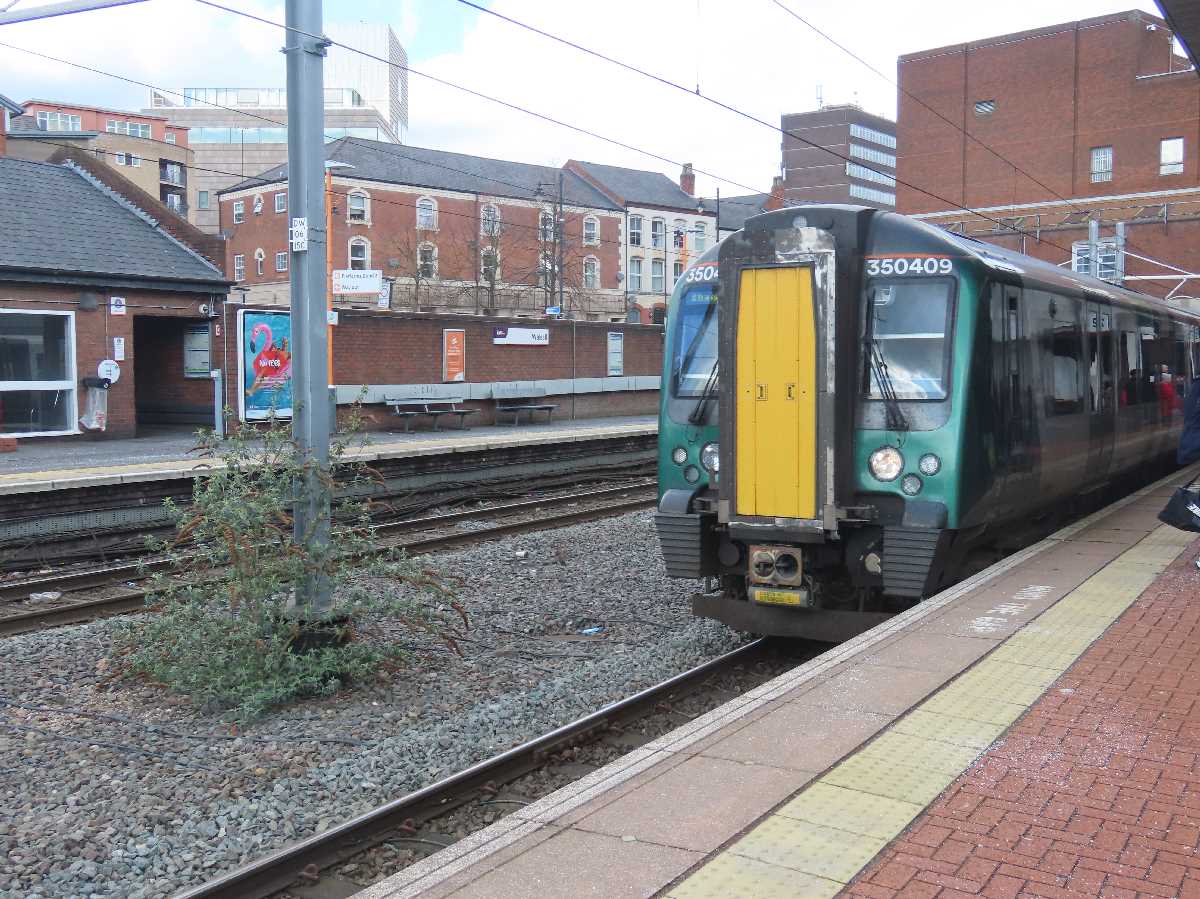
454,355
521,336
196,342
265,364
616,353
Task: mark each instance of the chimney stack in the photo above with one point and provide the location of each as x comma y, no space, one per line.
777,197
687,180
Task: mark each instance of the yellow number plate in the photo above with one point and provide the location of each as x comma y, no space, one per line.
779,597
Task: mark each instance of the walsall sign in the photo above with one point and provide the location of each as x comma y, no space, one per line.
357,281
521,336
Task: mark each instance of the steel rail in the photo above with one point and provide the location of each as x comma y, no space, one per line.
278,870
134,598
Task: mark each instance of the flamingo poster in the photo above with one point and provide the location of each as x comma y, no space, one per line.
265,364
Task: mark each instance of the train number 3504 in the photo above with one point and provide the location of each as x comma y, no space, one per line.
700,273
920,265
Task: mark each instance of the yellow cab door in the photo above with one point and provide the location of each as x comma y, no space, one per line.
776,394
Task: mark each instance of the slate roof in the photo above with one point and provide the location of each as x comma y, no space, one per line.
639,188
735,210
420,167
13,107
56,221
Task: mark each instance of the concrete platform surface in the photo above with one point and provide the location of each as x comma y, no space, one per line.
979,743
167,453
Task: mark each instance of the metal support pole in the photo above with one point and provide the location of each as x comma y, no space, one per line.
1094,248
307,278
561,234
218,380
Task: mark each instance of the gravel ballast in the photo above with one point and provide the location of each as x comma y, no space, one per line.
123,790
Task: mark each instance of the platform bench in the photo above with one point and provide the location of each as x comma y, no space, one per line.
513,401
409,407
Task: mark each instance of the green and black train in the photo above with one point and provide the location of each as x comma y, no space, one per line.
857,407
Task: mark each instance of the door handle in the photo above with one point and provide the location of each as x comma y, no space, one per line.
791,391
762,391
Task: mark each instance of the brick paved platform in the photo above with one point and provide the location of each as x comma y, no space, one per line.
1029,732
1095,792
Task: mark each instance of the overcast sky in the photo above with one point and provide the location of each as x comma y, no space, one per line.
747,53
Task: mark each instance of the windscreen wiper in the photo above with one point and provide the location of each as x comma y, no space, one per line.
894,415
698,415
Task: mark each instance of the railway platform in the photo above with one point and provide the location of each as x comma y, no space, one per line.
1033,731
65,465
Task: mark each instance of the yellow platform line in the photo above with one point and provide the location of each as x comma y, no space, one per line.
818,841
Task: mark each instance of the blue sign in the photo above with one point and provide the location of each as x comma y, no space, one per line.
554,310
265,364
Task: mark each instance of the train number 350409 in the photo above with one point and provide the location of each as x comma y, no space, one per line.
902,265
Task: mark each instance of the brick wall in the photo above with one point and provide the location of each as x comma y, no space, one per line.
95,329
405,348
1059,92
162,392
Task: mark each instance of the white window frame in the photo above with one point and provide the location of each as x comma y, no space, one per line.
281,262
281,201
489,225
700,237
365,218
68,386
239,267
676,272
1100,175
119,158
658,276
42,119
679,231
862,192
870,154
169,137
658,233
635,274
358,242
590,221
239,211
427,210
135,161
1110,264
175,202
592,283
202,199
635,230
260,262
1174,165
875,137
427,245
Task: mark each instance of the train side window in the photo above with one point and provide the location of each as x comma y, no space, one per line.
1012,338
1130,365
1065,388
1101,385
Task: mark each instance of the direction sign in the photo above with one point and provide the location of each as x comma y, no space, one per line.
357,281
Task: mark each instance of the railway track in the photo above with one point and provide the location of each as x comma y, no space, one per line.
128,581
305,861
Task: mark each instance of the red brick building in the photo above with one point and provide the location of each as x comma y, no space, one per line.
98,280
451,232
1041,132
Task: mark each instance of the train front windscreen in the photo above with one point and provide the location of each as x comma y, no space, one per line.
694,365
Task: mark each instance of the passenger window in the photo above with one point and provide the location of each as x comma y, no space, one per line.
1064,389
1101,383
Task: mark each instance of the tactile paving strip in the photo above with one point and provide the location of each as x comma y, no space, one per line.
816,843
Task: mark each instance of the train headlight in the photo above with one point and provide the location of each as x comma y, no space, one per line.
886,463
911,485
929,464
710,457
691,474
679,455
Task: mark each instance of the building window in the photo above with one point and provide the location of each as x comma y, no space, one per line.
658,233
202,199
281,201
1102,164
656,276
239,211
260,261
173,173
133,129
1109,266
1170,156
360,253
489,221
119,158
358,207
591,231
635,230
427,261
635,275
546,227
677,270
239,267
489,265
58,121
870,154
281,262
170,137
591,273
175,203
427,214
854,170
135,161
875,137
37,373
701,232
982,108
875,196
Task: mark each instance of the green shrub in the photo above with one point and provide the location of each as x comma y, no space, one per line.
225,628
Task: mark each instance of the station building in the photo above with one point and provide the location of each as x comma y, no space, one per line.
839,154
1044,132
665,226
107,304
